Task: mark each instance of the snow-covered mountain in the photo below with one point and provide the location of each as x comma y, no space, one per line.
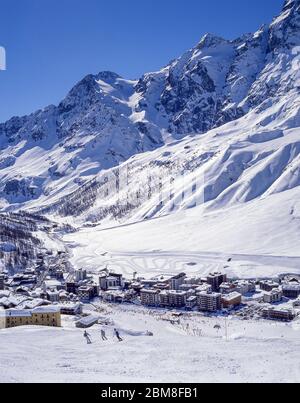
226,115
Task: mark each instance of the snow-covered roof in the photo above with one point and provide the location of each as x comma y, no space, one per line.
149,291
46,309
89,320
29,312
231,296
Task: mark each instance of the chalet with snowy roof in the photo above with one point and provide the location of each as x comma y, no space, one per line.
71,309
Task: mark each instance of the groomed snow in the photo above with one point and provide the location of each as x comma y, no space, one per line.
258,244
255,352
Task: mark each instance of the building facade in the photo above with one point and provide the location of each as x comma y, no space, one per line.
42,316
216,279
273,296
291,290
209,301
231,300
1,281
285,315
267,285
172,299
150,297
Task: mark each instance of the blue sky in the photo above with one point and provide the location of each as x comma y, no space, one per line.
52,44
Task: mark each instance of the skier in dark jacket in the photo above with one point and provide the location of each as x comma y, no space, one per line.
117,334
87,336
103,335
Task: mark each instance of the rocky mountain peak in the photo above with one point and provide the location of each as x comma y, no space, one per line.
289,4
285,29
210,40
108,77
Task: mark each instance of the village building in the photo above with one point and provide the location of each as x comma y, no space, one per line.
227,288
162,287
268,285
190,289
64,296
2,318
166,282
87,321
110,280
149,297
216,279
41,316
191,302
274,296
53,284
172,299
114,296
231,300
203,287
59,275
245,287
177,281
162,282
209,301
2,278
71,309
32,304
87,292
296,303
192,280
71,286
282,314
23,290
148,283
135,287
291,290
53,296
80,275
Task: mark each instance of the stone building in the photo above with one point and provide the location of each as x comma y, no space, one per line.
41,316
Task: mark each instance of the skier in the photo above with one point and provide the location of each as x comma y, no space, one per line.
117,334
103,335
87,336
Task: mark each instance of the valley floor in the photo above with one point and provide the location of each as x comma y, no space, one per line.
198,241
192,351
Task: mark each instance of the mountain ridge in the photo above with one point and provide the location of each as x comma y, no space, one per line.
105,121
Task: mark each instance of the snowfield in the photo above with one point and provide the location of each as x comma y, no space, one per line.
258,245
254,352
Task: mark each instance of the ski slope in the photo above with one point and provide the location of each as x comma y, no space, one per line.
255,352
258,245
